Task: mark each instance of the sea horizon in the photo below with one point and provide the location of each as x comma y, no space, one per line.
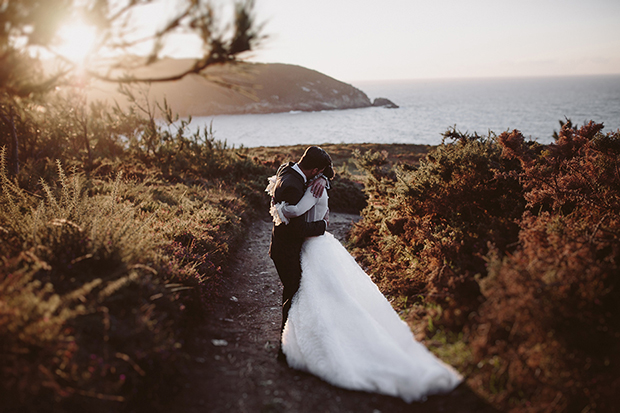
464,78
534,105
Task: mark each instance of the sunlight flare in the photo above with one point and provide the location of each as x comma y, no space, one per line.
77,41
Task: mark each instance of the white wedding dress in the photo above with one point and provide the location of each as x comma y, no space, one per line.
342,329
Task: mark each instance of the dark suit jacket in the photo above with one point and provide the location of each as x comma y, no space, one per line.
286,240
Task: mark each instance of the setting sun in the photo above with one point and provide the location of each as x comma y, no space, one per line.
77,41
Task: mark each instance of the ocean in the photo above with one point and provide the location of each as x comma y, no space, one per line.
428,108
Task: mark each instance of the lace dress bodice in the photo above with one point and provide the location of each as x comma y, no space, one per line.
319,206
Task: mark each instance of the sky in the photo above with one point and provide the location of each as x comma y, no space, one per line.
358,40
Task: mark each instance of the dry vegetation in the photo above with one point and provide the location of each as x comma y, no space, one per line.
106,269
506,253
115,235
116,232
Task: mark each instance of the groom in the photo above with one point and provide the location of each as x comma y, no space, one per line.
286,240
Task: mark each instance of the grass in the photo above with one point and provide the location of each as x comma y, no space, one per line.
101,281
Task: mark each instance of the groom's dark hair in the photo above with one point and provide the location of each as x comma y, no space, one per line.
315,157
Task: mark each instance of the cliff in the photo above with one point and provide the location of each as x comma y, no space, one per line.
266,88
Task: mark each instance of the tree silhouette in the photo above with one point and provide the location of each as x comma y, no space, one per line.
29,31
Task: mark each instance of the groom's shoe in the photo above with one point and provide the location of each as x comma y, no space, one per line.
281,357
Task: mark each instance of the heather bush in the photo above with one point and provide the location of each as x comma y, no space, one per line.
346,195
551,307
427,228
512,247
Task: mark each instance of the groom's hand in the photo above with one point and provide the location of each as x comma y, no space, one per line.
318,187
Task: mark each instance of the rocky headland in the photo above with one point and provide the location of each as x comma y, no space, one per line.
256,88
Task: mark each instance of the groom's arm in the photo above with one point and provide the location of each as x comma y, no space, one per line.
308,229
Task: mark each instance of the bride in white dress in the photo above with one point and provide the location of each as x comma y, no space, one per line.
342,329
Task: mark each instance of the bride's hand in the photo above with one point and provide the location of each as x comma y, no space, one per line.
318,186
326,217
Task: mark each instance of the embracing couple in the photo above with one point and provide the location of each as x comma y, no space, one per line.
336,324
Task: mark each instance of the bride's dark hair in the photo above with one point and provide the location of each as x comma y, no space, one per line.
329,172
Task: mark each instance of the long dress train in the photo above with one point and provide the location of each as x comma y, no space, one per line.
342,329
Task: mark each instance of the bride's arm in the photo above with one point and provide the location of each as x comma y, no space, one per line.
285,211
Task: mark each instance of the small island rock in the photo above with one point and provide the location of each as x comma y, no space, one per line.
386,103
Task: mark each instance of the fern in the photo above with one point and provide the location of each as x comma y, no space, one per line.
13,200
56,210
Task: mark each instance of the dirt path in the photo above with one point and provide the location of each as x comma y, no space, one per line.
235,367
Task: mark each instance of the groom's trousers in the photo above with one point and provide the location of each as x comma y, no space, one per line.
289,271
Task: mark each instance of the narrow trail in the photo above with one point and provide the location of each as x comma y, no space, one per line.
234,358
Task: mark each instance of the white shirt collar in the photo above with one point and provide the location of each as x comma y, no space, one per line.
298,169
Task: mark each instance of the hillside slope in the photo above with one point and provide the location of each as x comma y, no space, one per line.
266,88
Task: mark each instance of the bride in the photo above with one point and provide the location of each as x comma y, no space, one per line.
342,329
